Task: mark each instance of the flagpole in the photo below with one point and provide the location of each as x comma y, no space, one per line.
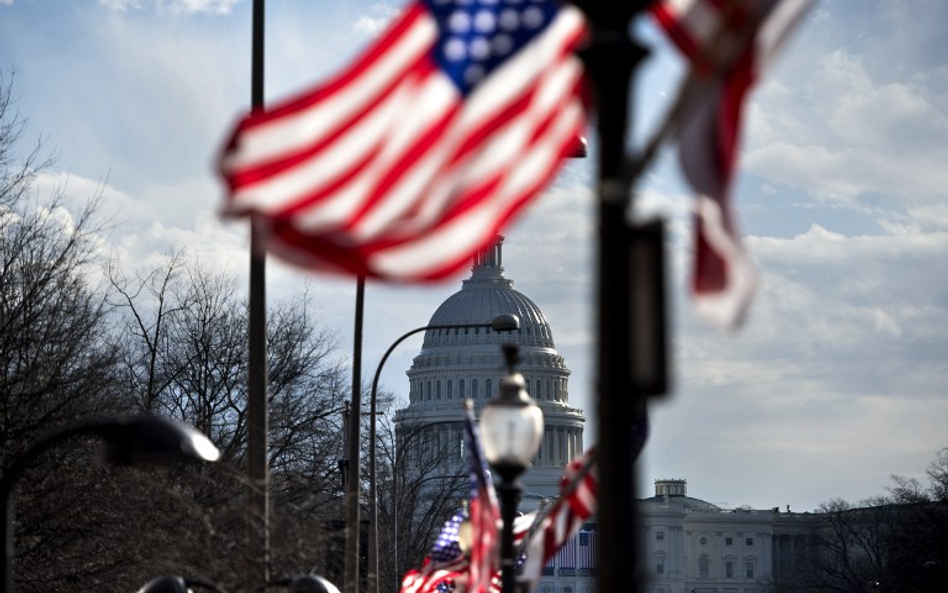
351,563
258,519
611,60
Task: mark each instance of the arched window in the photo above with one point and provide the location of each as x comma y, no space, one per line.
474,388
450,389
438,389
461,388
428,395
537,394
487,389
704,566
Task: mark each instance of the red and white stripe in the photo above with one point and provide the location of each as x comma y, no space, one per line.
387,170
577,502
729,43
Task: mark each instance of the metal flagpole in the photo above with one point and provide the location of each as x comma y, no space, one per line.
258,520
351,565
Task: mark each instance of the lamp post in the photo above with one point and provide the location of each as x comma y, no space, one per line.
511,429
501,323
126,440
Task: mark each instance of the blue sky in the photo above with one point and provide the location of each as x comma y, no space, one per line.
840,375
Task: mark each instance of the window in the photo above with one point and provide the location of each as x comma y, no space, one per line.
703,541
704,566
749,569
474,388
487,389
461,388
660,565
749,541
729,569
660,535
729,541
450,389
438,389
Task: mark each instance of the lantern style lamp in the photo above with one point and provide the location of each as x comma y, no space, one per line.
511,428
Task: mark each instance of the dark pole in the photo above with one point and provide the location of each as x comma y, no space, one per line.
351,565
508,493
258,520
610,62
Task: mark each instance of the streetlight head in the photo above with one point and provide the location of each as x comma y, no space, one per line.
177,585
138,437
511,424
506,322
307,583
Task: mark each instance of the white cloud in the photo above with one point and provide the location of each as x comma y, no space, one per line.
174,6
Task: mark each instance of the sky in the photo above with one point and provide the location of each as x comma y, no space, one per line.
837,379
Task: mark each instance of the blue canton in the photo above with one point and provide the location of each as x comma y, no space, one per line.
446,548
476,36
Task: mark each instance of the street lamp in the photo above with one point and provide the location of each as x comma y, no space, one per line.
125,439
177,585
511,429
306,583
501,323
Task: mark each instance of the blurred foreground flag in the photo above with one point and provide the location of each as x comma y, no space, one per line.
411,159
729,44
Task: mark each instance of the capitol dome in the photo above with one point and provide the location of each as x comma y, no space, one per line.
483,296
461,363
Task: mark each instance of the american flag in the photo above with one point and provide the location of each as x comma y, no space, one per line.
485,514
577,502
588,540
446,563
446,569
414,156
728,44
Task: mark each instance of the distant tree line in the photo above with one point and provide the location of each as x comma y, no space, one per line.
895,543
170,340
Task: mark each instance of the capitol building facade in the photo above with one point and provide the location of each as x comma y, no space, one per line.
686,545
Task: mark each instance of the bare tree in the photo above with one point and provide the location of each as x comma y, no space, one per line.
422,483
896,543
58,364
184,342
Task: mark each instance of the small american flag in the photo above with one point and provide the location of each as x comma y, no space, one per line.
414,156
485,514
446,563
728,43
576,503
587,549
446,569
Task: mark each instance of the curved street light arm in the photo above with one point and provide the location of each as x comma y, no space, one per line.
504,322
